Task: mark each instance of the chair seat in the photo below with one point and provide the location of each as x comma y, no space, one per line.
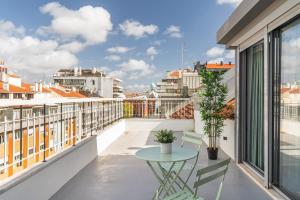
176,168
182,195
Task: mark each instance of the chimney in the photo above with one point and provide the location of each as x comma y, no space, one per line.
75,71
221,63
229,62
36,87
94,70
5,85
40,86
80,71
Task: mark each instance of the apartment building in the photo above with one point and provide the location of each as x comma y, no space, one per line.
178,83
91,82
117,88
12,86
185,82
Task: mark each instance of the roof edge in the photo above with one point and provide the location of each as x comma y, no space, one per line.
243,14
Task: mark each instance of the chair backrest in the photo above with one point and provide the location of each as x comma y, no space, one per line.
210,173
192,137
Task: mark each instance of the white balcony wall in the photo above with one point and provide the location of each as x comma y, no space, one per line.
226,145
44,180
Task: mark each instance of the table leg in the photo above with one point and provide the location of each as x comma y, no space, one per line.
164,172
161,181
176,175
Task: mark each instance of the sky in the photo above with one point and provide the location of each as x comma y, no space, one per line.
134,40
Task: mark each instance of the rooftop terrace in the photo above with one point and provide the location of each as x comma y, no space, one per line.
117,174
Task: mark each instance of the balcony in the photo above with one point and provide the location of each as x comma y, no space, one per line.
117,174
85,149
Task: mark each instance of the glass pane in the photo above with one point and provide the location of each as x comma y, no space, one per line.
289,161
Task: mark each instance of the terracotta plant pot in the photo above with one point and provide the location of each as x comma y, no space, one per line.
166,148
212,153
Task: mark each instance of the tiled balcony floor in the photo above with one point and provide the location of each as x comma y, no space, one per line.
117,174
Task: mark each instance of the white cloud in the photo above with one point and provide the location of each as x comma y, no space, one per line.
230,54
215,52
117,73
31,56
136,29
216,60
113,58
138,87
136,69
73,47
231,2
118,49
88,23
152,52
9,28
174,31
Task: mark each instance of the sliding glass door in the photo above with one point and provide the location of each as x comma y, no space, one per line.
287,154
251,80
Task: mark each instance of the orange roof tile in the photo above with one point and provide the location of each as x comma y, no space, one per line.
219,66
71,94
27,87
13,89
294,91
13,75
284,90
175,74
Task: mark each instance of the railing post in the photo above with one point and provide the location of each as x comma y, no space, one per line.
11,168
115,111
33,135
21,136
44,153
37,146
61,126
5,144
74,125
91,118
10,150
102,115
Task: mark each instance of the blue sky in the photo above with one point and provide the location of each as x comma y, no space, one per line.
137,40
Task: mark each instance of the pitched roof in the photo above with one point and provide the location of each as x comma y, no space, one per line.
13,89
295,91
13,75
220,66
284,90
63,93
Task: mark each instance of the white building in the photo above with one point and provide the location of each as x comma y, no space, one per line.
179,83
91,82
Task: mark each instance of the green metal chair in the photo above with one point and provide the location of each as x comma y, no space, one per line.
187,137
204,176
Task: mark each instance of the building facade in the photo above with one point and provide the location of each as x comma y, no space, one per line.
91,82
12,86
179,83
265,35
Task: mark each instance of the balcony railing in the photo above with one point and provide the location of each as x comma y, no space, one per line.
32,132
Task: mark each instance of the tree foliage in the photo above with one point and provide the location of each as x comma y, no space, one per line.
212,96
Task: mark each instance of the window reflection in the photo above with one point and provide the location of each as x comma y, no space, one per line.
289,168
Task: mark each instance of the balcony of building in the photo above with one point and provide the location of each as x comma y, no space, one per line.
84,149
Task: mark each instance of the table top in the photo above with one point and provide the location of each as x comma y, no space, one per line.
178,154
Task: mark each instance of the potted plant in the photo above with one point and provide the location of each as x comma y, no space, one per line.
165,138
212,96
